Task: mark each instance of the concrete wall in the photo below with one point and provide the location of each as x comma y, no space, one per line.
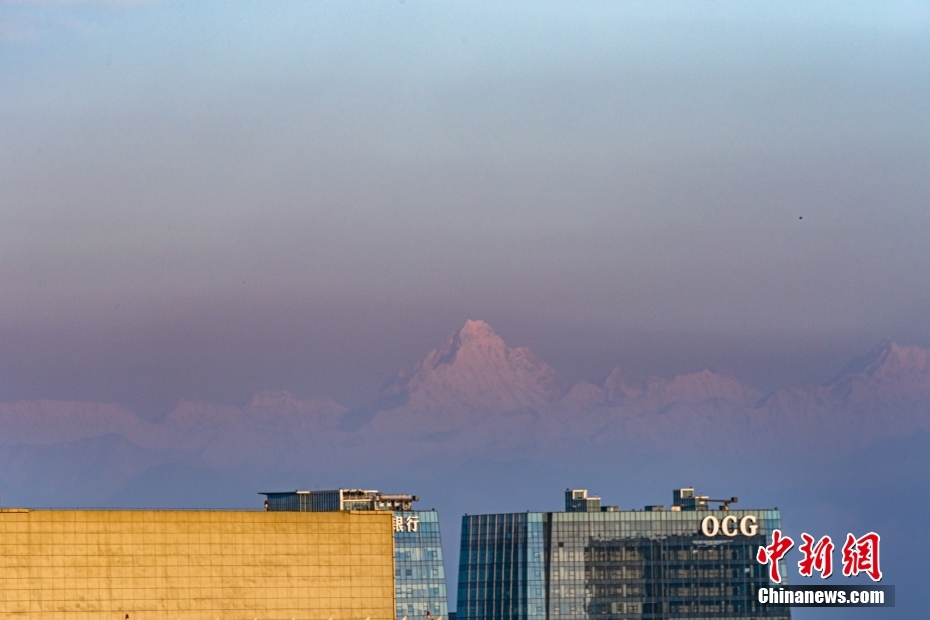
196,565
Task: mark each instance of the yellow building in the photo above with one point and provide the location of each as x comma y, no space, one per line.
196,565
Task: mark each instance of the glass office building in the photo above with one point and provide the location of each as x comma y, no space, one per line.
601,563
420,585
419,576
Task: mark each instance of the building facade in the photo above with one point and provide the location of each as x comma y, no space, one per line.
420,580
195,565
601,563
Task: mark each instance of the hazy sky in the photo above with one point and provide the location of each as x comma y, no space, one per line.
205,199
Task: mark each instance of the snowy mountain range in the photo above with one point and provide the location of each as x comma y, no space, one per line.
471,395
476,371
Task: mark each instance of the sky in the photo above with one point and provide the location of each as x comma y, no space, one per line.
207,199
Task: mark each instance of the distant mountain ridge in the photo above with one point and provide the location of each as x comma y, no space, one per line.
474,369
474,392
892,372
892,376
475,372
475,395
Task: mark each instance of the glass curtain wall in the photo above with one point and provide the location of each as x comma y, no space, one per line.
420,580
502,567
610,566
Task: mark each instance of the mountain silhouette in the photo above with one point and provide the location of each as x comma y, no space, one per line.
475,394
474,369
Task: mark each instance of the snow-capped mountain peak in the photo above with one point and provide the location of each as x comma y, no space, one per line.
476,369
892,371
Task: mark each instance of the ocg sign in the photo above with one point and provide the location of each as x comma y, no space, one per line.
711,526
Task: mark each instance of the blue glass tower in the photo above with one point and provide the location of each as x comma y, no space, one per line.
419,576
502,567
420,580
600,563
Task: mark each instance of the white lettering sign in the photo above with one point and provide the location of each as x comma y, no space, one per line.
711,526
409,524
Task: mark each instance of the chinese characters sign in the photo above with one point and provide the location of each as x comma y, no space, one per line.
773,553
860,555
407,524
817,557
